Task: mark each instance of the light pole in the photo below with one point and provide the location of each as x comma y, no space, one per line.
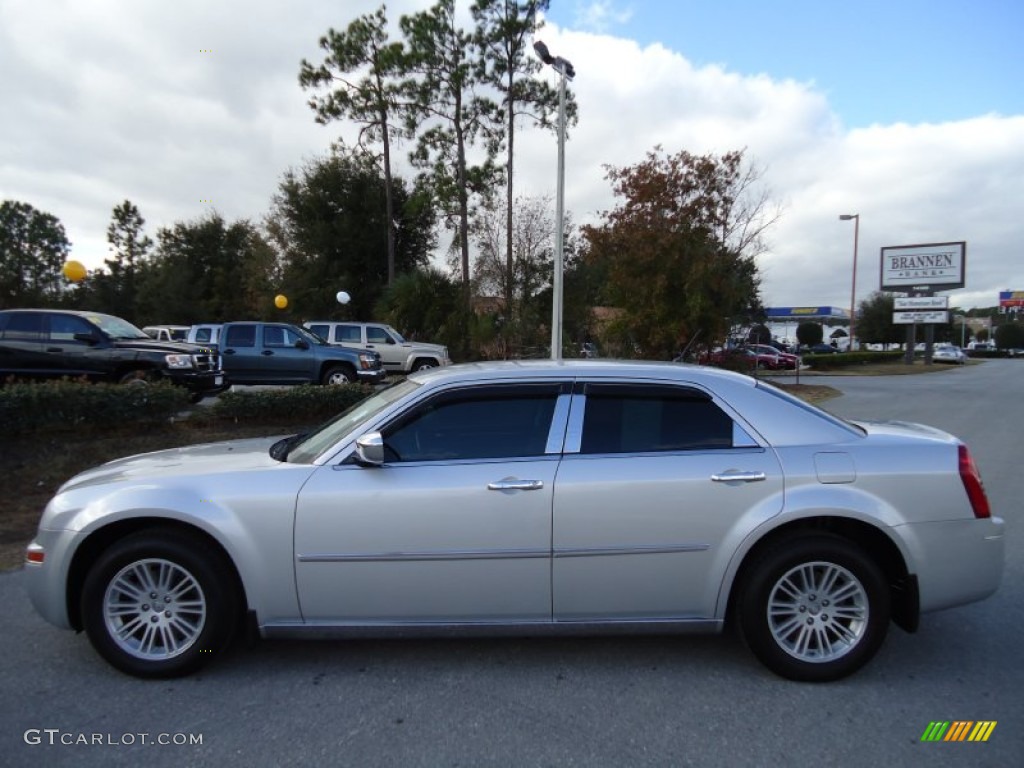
853,289
963,328
566,71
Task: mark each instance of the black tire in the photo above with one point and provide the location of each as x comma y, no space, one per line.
198,605
830,605
139,378
338,374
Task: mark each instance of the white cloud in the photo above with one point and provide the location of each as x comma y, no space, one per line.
600,16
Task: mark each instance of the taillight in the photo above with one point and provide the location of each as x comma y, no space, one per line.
972,483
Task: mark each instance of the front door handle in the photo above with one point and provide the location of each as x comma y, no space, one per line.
738,476
508,484
267,352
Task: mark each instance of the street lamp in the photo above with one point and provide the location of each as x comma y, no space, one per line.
853,289
565,69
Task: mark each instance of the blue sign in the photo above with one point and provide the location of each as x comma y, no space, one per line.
806,313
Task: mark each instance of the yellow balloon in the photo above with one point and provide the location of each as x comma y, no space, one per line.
280,301
74,271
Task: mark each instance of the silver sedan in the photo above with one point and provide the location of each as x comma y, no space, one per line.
532,497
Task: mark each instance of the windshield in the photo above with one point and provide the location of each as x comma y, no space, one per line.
115,327
309,336
326,435
396,334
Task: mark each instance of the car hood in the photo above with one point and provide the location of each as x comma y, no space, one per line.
169,347
437,349
209,458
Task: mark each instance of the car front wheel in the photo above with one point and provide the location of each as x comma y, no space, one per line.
338,375
814,608
159,604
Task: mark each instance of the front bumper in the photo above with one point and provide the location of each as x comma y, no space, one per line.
201,382
47,582
372,377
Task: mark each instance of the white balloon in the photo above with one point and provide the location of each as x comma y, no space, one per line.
343,298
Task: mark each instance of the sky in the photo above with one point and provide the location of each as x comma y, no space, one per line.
907,113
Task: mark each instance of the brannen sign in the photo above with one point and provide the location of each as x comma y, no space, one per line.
926,267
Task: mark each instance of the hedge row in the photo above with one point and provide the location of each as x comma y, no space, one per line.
63,405
830,362
302,404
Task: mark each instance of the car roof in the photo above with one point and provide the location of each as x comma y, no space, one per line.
561,369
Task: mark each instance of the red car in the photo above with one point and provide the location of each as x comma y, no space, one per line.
784,359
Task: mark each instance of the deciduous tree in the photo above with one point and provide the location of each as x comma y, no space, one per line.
327,223
680,247
33,248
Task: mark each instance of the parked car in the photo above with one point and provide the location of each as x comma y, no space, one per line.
397,354
822,349
281,353
733,358
686,498
52,343
774,358
949,354
167,332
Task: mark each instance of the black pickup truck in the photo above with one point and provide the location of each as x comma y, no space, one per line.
51,343
280,353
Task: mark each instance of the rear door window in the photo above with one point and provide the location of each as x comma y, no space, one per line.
627,418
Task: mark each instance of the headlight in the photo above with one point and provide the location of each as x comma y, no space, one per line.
367,360
178,361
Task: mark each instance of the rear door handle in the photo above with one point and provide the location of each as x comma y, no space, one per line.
267,352
515,485
738,476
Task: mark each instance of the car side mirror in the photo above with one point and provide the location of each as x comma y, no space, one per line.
302,344
370,449
88,338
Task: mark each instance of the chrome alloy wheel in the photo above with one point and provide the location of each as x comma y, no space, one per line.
154,609
818,612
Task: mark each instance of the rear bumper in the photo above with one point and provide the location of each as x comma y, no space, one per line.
955,561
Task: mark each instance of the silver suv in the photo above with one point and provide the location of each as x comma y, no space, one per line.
397,354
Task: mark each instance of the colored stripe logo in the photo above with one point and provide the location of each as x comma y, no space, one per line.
958,730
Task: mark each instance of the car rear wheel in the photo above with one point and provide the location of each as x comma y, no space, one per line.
159,604
338,374
814,608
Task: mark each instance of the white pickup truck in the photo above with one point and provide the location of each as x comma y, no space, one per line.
397,354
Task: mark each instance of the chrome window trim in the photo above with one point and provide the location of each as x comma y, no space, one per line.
574,429
557,431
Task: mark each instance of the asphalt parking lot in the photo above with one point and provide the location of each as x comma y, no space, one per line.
674,701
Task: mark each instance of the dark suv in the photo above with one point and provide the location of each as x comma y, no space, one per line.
51,343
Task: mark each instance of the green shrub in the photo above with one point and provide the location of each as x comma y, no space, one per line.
63,405
830,362
303,404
